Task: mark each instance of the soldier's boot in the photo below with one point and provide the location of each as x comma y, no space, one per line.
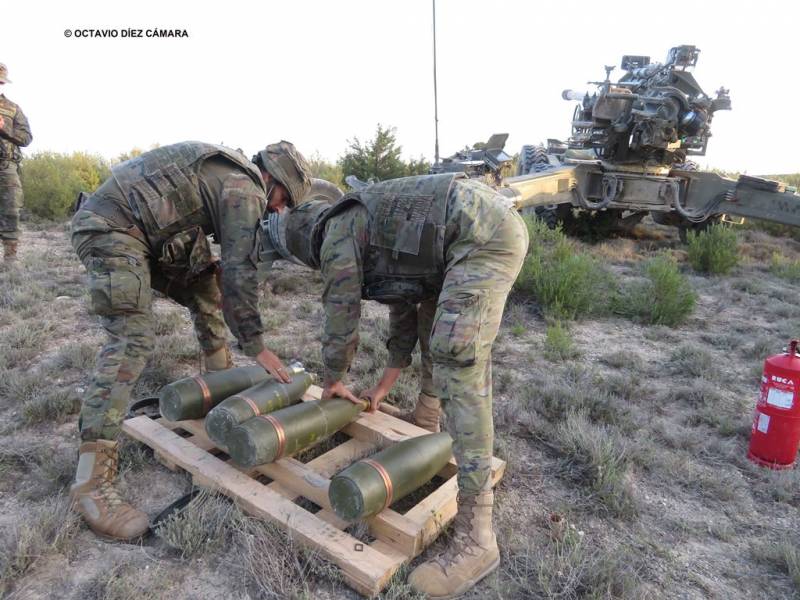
217,360
10,251
469,557
427,411
96,499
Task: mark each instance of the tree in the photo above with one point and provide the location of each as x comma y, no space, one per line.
379,158
322,169
51,181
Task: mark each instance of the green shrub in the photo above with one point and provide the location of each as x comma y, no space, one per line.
665,298
558,344
566,282
715,250
785,268
51,181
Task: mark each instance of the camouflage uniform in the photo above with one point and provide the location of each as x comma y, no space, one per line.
145,228
14,134
479,244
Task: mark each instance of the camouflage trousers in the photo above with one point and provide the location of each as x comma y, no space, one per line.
10,200
121,276
466,321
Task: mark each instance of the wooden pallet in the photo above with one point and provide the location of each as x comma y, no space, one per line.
366,567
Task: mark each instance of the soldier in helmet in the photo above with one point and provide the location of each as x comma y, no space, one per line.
443,253
146,228
15,133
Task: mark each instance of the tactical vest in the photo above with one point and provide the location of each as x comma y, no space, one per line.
8,149
405,257
162,188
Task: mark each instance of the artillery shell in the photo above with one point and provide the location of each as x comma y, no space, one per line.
193,397
262,398
372,484
266,438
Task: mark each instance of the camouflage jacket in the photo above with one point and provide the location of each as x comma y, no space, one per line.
232,205
15,133
473,213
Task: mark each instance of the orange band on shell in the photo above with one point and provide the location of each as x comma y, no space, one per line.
387,481
279,431
252,404
206,392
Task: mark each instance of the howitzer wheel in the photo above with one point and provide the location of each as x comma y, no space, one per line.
534,159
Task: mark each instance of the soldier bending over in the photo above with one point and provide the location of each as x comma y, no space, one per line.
454,247
145,228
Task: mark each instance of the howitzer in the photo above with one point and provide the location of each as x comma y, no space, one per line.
370,485
627,156
262,398
193,397
266,438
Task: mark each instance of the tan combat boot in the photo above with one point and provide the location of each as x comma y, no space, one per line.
426,413
95,498
470,556
10,251
218,360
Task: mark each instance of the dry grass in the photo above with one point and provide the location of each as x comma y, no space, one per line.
45,529
201,527
569,570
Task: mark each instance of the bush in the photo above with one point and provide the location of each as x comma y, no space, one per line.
785,268
665,298
567,283
558,344
715,250
51,181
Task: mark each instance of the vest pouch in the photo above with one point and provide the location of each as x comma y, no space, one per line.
186,255
170,195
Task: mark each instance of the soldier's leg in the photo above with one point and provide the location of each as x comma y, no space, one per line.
428,408
10,204
119,285
203,298
468,316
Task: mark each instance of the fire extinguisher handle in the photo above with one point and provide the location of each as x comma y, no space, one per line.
793,348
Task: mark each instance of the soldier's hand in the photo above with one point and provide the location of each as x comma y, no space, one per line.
339,390
273,365
374,396
2,122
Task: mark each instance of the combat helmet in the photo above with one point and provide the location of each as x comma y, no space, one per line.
4,74
290,235
289,167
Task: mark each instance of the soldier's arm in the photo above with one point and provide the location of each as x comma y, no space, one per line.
240,209
340,263
17,131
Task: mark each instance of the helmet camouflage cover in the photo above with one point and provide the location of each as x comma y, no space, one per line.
289,167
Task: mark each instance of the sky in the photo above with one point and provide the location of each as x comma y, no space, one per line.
319,73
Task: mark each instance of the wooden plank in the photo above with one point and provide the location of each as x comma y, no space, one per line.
364,568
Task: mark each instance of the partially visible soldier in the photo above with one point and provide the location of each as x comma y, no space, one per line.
145,228
442,251
15,133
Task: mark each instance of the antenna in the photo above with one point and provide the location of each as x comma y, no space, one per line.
435,92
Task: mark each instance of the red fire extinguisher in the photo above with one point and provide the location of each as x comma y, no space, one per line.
775,435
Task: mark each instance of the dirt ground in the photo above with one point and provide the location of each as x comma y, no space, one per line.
638,439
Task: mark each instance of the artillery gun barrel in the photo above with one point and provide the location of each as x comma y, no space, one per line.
370,485
553,186
262,398
266,438
193,397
